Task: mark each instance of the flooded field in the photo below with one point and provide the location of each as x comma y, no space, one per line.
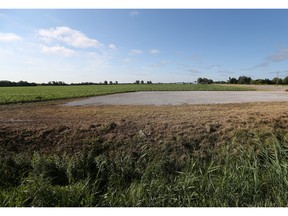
183,97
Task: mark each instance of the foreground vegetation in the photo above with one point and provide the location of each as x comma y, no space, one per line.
42,93
250,170
202,155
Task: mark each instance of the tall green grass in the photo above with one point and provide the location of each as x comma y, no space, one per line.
43,93
251,170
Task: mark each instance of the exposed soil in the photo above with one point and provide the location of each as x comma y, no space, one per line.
52,127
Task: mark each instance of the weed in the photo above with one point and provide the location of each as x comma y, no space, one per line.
251,170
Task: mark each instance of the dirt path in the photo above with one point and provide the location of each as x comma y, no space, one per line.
183,97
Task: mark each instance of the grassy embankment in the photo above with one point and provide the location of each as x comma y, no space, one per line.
43,93
252,170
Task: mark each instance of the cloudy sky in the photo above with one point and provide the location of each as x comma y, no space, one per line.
124,45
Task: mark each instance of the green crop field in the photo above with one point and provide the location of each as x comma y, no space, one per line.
42,93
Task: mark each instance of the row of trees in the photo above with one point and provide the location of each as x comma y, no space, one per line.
240,80
204,81
20,83
142,82
6,83
248,80
116,82
200,80
55,83
110,83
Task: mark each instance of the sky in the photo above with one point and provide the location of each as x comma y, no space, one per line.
124,45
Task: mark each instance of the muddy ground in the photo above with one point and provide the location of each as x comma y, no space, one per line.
54,128
263,93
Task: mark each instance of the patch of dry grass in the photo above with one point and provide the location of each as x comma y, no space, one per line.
51,127
189,155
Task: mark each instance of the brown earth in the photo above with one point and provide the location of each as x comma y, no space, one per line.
50,127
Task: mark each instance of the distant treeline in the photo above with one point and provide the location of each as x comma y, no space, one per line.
248,80
232,80
245,80
20,83
6,83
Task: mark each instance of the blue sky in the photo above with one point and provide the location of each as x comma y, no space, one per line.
161,45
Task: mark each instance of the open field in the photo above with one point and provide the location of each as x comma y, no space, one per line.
188,155
43,93
182,97
279,88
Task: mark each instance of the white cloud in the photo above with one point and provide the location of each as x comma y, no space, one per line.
261,65
161,64
225,72
9,37
58,50
213,66
134,13
112,46
95,60
68,36
33,68
193,71
281,55
92,54
6,52
28,62
127,60
154,51
135,52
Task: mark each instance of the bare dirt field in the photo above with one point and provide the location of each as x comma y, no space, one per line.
49,127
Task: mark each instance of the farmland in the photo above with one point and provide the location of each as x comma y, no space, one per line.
43,93
187,155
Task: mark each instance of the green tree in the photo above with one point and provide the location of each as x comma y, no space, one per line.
232,80
277,80
204,81
199,80
285,80
244,80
